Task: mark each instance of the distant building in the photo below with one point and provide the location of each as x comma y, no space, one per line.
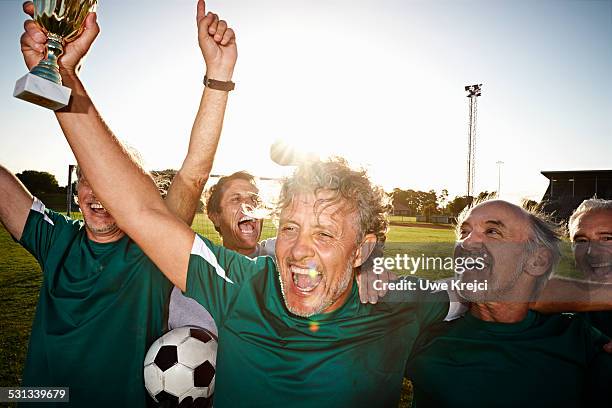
440,219
567,189
435,218
400,209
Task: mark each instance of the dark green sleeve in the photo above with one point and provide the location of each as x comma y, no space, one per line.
42,227
433,307
216,275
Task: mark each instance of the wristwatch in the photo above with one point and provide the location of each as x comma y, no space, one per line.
219,85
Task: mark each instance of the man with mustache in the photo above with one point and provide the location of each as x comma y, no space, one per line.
230,207
501,353
590,230
102,301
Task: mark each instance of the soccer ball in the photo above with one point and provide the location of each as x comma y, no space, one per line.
179,368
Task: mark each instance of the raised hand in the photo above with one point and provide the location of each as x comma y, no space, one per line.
33,43
218,44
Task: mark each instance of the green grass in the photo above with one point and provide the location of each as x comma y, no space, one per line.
20,280
419,234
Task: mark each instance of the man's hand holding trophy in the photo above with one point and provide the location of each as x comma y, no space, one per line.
53,45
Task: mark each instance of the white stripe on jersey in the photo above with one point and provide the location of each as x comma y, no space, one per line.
455,311
38,206
200,249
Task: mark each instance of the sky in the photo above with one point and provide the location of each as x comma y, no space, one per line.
380,83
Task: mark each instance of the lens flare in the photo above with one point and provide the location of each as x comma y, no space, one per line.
314,326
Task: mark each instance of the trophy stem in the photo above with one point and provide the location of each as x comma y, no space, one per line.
48,68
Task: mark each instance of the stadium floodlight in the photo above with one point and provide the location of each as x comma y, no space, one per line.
473,90
499,164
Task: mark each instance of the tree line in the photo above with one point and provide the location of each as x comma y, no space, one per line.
414,202
411,202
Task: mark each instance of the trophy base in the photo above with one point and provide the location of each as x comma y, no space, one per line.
41,92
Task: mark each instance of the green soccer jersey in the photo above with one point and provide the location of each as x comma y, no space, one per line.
354,356
542,361
99,309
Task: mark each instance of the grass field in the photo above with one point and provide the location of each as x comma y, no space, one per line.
20,280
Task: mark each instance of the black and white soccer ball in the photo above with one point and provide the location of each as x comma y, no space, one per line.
179,368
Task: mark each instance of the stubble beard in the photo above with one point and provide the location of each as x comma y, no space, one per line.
496,293
323,304
101,230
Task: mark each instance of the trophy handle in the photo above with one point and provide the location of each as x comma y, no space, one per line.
48,68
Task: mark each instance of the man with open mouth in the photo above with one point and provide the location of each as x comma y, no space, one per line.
501,354
234,207
231,207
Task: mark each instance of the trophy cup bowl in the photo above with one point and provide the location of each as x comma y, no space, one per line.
62,21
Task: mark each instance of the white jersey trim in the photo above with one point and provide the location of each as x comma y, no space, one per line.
457,307
455,311
266,247
200,249
38,206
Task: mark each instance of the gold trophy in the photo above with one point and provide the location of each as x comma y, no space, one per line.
62,21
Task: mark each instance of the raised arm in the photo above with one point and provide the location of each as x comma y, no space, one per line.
120,184
124,189
218,46
15,203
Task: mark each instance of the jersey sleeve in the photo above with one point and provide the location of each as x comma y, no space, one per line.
267,247
216,274
434,307
429,300
41,229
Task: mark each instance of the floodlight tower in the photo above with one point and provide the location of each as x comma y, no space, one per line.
499,164
474,91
